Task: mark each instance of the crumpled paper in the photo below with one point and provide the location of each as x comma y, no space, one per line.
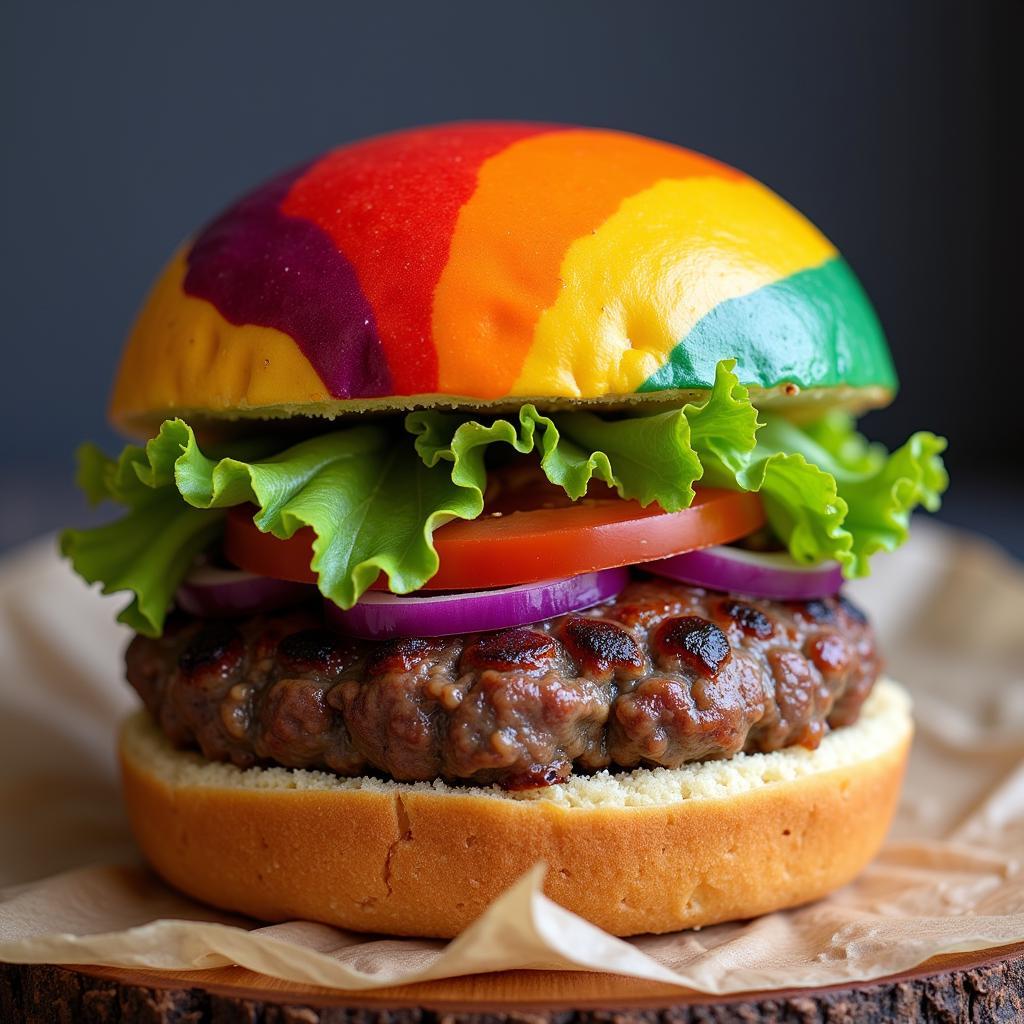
949,609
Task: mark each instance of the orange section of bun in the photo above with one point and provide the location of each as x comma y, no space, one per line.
368,855
532,201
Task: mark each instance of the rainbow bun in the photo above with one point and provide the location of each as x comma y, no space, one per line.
499,263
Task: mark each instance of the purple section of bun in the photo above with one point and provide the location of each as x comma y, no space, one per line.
258,266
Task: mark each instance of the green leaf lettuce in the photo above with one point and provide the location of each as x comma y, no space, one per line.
373,496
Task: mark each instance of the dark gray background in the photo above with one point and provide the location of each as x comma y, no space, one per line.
125,125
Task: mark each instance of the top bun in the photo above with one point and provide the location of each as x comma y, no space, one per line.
489,264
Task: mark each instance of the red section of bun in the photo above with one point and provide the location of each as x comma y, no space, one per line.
402,197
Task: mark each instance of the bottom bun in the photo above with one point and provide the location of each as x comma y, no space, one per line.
650,850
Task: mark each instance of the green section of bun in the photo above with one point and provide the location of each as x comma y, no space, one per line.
815,329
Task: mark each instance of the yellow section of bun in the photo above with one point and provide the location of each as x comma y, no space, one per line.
633,289
652,850
182,355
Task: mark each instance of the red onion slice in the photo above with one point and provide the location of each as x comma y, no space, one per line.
759,574
379,615
214,592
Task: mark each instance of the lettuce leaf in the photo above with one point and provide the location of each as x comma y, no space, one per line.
869,496
371,502
828,493
149,550
648,458
374,496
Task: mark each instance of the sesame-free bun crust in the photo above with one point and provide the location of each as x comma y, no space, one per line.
485,265
653,850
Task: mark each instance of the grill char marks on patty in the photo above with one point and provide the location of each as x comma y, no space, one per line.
663,675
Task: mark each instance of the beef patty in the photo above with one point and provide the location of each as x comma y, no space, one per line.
663,675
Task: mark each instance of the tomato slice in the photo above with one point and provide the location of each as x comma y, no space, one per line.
529,531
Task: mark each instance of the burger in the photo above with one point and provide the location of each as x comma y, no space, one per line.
500,486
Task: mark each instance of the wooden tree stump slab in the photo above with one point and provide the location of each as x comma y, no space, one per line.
978,988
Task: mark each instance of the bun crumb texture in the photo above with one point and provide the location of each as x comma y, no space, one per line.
651,850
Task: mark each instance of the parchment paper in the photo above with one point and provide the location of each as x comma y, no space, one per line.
950,611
